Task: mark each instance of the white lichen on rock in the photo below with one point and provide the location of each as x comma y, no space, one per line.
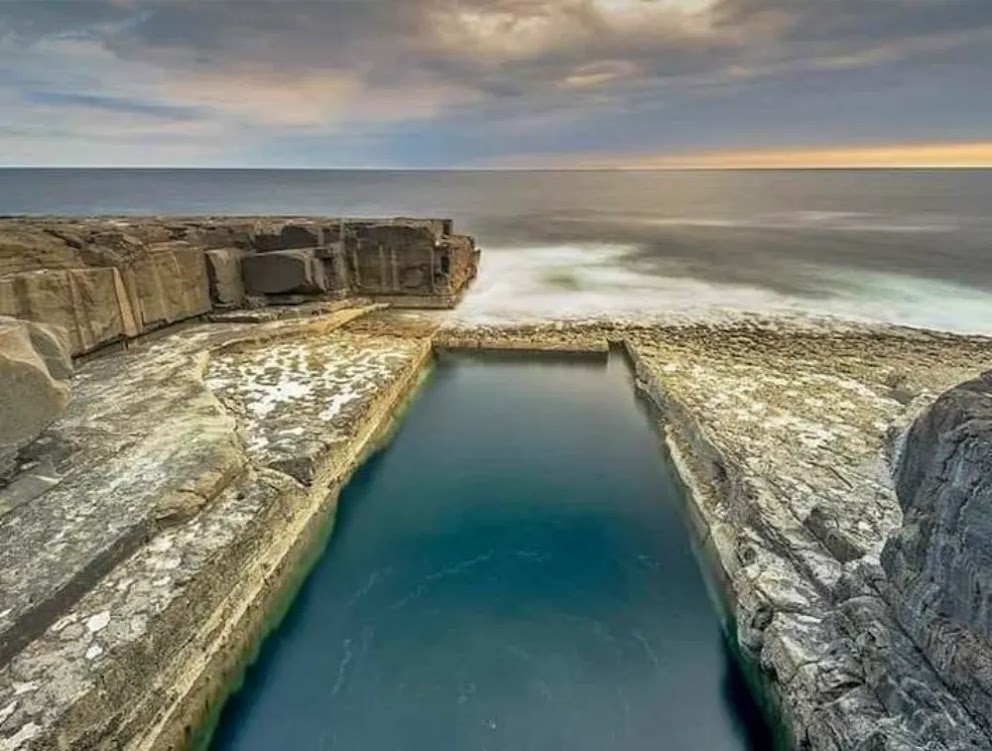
298,397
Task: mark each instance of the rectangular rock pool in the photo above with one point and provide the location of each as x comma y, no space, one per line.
513,572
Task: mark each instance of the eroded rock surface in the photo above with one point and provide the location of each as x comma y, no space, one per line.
34,388
789,435
112,279
939,563
134,585
194,473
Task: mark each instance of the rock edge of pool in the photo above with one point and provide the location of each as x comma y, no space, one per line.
837,477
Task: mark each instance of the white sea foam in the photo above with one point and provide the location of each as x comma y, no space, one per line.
824,221
602,280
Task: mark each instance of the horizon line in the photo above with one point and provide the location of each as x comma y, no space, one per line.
647,168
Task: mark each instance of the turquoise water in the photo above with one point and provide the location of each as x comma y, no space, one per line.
512,573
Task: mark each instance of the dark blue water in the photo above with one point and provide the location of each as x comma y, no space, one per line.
904,246
511,573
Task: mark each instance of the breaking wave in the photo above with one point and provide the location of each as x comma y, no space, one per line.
590,281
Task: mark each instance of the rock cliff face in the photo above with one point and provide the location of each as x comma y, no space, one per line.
939,563
34,387
107,280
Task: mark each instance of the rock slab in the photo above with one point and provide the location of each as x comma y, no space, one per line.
34,390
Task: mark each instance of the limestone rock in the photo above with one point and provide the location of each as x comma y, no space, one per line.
34,366
167,284
283,271
91,304
227,290
940,562
286,236
30,249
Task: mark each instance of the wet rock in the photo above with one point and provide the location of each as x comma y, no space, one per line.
34,390
939,562
284,271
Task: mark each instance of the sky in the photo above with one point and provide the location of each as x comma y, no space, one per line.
495,83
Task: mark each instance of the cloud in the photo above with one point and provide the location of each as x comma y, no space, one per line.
632,76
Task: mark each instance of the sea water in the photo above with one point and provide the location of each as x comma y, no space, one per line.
901,246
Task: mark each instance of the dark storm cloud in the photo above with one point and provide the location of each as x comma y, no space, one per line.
509,72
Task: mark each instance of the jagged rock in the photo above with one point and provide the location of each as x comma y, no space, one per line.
227,290
939,563
34,390
91,304
283,271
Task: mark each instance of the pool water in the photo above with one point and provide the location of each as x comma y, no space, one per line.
513,572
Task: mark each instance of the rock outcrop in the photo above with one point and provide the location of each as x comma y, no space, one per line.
110,280
195,477
939,563
193,473
34,389
227,287
282,272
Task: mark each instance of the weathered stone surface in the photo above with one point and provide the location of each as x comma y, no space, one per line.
168,284
227,289
939,563
163,273
269,236
394,259
34,390
298,398
91,304
115,630
284,271
24,248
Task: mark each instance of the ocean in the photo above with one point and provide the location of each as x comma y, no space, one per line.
912,247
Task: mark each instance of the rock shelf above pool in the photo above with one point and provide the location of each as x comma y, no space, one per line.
193,475
112,279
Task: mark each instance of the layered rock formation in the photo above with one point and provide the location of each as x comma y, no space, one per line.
107,280
192,474
939,563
